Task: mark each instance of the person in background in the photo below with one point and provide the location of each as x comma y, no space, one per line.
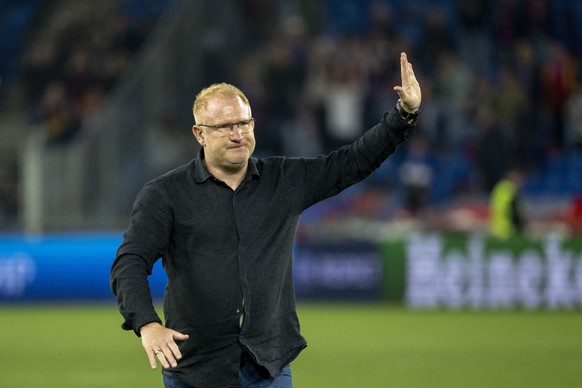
507,219
224,226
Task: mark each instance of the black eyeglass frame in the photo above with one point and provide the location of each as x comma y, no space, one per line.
242,126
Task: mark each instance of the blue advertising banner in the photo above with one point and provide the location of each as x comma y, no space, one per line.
348,270
62,267
75,267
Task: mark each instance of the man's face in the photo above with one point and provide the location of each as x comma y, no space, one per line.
230,150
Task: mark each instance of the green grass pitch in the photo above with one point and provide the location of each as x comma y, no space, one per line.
350,345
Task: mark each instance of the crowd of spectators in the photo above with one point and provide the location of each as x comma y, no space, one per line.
502,85
67,63
502,80
73,62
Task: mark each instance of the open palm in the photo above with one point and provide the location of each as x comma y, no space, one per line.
409,92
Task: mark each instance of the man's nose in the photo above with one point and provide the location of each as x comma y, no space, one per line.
235,132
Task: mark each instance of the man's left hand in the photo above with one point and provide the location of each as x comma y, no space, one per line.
409,92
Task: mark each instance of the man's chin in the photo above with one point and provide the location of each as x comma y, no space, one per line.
237,164
238,155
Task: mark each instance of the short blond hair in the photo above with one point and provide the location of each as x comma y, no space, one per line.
220,90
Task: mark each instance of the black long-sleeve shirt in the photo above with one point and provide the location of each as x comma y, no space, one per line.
220,247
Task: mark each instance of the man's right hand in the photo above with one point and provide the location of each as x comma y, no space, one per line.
160,342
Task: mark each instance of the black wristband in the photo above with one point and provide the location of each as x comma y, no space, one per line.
409,117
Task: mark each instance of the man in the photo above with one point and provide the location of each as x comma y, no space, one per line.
507,218
224,226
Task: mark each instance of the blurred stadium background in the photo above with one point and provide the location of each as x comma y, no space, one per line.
95,99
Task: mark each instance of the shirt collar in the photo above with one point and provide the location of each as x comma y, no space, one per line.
202,174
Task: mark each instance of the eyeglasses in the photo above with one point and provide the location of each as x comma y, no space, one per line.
228,128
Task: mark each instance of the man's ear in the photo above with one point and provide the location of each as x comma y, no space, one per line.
198,134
